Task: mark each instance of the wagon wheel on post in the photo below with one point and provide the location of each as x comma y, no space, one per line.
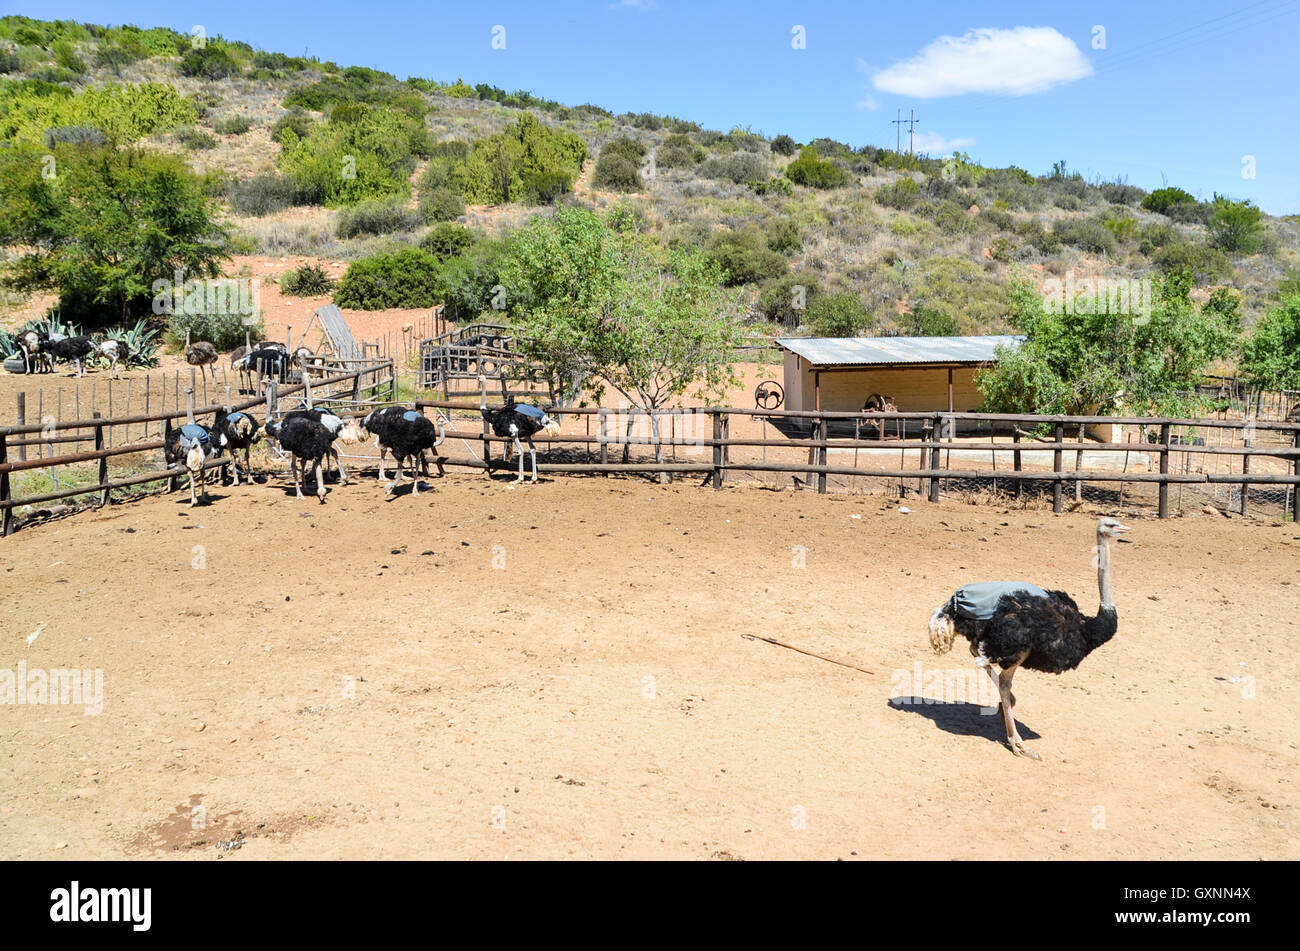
769,395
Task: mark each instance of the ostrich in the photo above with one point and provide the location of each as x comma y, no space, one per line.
113,351
307,442
521,420
191,445
406,434
200,354
268,361
237,431
375,424
1012,624
75,349
347,431
34,345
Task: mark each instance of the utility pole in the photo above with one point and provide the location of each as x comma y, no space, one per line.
911,130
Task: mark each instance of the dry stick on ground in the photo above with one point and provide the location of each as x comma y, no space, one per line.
830,660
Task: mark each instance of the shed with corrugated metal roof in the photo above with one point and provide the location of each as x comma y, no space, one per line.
918,374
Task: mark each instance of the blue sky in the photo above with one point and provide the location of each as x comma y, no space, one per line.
1182,94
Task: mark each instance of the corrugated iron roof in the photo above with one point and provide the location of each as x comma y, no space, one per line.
853,351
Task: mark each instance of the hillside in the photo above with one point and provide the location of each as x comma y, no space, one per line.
927,245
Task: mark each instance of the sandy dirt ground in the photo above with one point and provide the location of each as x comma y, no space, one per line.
561,671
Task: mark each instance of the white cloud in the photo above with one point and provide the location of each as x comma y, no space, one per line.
932,143
1017,62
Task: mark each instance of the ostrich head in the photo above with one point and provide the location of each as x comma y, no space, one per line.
1108,528
551,427
351,431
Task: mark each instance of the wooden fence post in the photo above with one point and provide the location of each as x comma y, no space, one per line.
6,514
22,421
602,418
935,425
1245,468
1164,470
1015,439
822,454
1295,471
103,460
1056,468
717,450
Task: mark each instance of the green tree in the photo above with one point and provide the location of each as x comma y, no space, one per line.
1271,355
597,301
1078,364
509,166
106,226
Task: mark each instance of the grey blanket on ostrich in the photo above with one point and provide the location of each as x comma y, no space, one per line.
979,601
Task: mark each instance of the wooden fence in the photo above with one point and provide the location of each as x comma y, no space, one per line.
935,447
370,383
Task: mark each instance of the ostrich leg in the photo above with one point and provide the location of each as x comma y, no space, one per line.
532,452
519,451
320,480
1008,716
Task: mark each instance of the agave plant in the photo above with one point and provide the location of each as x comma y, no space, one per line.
7,346
141,341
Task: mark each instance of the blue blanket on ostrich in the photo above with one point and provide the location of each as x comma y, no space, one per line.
979,601
192,434
411,415
526,409
234,417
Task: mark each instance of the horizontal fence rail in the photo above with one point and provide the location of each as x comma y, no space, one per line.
1277,442
354,391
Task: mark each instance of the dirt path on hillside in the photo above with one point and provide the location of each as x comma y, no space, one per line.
559,670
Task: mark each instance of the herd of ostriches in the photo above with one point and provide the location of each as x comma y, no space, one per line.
309,437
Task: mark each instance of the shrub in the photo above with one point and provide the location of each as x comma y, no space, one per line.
407,278
784,145
924,321
441,204
503,167
235,125
773,186
1118,194
1207,265
1086,234
208,62
784,236
195,139
785,300
74,135
740,168
744,257
838,315
375,217
310,280
446,240
224,331
1235,226
1162,199
262,194
368,157
630,149
808,169
902,194
617,173
296,121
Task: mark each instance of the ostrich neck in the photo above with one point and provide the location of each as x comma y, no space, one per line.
1103,573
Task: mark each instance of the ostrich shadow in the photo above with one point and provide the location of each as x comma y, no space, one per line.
960,718
203,500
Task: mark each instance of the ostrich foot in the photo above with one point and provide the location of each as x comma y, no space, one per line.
1019,749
